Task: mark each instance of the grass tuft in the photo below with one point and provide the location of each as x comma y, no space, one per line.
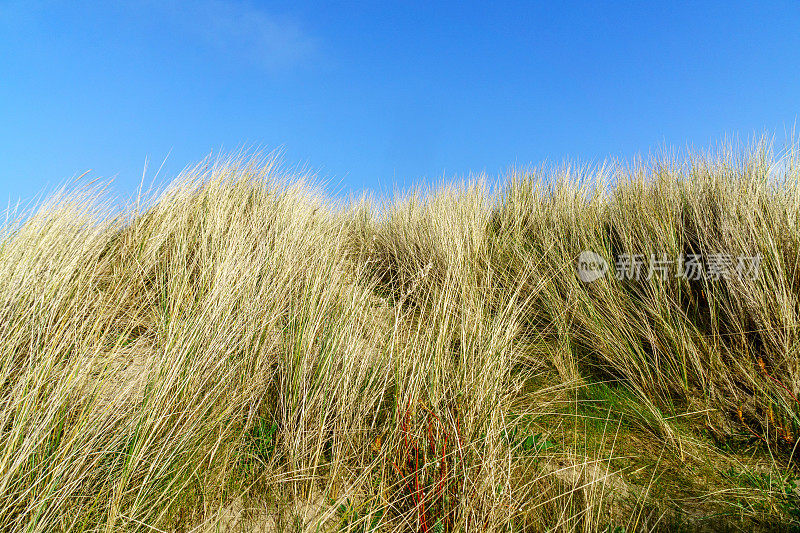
239,353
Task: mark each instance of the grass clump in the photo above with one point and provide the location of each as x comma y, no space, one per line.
239,352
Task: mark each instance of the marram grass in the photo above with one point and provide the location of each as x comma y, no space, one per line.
241,353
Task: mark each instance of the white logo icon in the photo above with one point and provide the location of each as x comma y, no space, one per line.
591,266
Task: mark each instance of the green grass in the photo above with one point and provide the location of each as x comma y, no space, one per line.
239,352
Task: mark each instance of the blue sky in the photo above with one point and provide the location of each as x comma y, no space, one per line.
377,96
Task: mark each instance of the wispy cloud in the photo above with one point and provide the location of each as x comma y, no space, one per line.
238,29
243,29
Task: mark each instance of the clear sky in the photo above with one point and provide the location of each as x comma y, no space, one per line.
374,95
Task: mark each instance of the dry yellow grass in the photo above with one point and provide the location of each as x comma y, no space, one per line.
241,353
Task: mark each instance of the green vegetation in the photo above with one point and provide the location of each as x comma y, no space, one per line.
239,353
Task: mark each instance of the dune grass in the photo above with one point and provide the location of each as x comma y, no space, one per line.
241,353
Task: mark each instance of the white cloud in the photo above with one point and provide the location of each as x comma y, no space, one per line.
245,30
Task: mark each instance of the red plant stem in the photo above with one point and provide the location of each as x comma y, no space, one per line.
783,386
421,492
